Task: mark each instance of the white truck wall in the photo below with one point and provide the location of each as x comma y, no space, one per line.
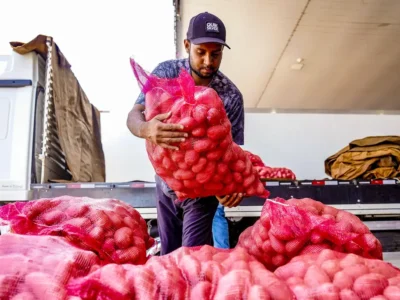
125,155
16,124
300,142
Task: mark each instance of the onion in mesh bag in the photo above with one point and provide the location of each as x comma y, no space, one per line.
109,227
335,275
39,267
300,226
197,273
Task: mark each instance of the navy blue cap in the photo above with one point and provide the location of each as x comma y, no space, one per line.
206,28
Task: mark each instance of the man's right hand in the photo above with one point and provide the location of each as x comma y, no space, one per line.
231,200
163,134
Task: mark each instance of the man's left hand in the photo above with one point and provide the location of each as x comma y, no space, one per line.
231,200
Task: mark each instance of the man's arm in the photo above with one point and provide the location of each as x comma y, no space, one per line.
136,120
237,119
154,130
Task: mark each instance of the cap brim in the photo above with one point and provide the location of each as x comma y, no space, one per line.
205,40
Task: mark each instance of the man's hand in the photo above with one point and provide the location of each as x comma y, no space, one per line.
231,200
161,133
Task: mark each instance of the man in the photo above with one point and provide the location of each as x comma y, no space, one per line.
189,222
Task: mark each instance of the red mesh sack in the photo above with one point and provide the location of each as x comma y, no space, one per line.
334,275
275,173
39,267
300,226
109,227
255,159
266,172
208,162
188,273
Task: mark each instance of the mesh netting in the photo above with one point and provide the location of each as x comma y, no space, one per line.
208,162
275,173
109,227
188,273
39,267
255,159
334,275
266,172
300,226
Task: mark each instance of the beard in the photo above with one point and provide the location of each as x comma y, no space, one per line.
197,72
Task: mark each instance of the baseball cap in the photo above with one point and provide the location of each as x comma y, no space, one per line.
206,28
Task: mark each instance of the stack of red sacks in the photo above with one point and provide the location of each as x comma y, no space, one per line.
298,249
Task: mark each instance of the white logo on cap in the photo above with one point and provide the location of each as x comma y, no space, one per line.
212,27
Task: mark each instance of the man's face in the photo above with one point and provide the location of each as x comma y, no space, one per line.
204,59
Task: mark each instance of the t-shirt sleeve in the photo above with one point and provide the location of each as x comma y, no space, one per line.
161,71
236,117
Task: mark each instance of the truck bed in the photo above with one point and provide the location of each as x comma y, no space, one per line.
362,197
376,202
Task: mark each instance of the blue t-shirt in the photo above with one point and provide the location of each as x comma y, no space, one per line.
226,90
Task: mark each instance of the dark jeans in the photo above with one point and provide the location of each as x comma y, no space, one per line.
183,223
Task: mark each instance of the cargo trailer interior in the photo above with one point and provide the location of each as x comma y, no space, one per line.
315,75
